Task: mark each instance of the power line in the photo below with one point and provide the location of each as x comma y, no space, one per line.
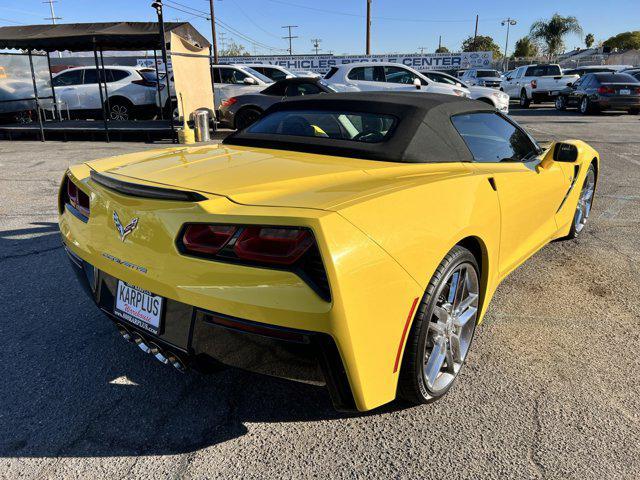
181,7
290,37
393,19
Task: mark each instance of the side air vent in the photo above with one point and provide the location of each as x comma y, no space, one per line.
145,191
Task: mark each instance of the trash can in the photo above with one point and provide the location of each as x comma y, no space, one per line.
201,125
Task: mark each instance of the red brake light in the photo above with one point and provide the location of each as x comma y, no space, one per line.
534,84
77,198
229,101
144,83
282,246
207,239
606,90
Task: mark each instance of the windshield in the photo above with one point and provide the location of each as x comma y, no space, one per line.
257,74
487,73
359,127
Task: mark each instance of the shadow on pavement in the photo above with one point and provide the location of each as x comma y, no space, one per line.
73,387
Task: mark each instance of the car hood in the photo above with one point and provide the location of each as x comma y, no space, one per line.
257,176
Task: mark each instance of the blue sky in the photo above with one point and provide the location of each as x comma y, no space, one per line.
398,25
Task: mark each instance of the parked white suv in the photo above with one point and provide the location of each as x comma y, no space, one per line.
131,92
233,80
386,76
535,83
496,98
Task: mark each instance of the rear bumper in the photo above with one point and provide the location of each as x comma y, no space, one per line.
618,103
548,96
202,339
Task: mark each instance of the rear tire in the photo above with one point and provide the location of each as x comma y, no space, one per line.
442,329
246,117
561,103
524,100
120,109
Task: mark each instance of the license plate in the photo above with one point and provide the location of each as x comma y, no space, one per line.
625,91
138,306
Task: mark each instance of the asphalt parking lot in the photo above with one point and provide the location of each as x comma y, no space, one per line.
550,389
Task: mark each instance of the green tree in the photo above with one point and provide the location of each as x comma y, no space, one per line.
442,50
624,41
233,49
589,40
551,32
525,48
482,43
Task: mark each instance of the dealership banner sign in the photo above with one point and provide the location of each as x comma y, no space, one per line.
322,63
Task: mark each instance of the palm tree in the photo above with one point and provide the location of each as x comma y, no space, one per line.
552,32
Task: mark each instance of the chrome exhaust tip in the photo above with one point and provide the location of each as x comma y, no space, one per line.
158,353
177,363
139,341
124,332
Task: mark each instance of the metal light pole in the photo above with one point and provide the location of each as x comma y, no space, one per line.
157,5
508,22
368,27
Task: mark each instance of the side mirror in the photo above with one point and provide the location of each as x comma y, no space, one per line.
509,78
417,83
249,81
569,84
565,152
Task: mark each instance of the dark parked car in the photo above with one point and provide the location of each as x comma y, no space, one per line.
601,91
241,111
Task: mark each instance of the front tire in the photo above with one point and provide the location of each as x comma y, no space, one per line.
585,201
524,100
442,330
561,103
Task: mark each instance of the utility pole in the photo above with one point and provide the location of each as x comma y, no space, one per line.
290,37
214,41
508,22
475,34
316,44
53,17
368,27
222,41
422,49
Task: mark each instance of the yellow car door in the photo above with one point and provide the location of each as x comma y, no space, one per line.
529,194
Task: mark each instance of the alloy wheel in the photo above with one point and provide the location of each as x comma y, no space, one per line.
559,103
584,105
119,112
451,328
583,208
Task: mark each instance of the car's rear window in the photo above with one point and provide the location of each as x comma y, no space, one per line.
359,127
615,78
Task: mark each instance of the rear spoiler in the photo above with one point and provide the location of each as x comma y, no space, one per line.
145,191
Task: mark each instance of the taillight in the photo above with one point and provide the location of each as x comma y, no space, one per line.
282,246
145,83
77,198
207,239
228,102
534,84
606,90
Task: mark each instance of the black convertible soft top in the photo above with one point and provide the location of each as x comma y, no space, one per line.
423,133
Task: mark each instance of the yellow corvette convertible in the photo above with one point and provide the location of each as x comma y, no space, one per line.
347,240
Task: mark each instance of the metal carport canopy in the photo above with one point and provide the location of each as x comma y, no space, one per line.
80,37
